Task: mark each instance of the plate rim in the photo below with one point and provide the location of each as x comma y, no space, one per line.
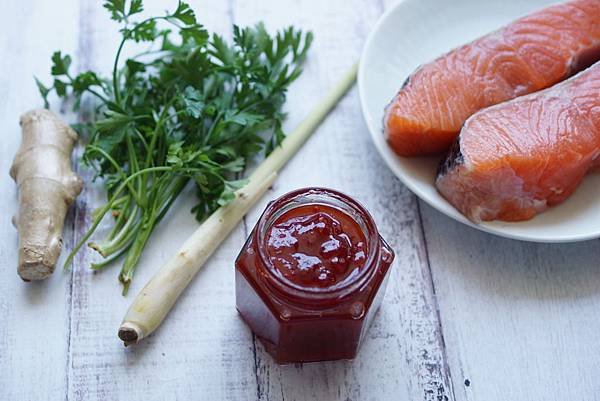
383,153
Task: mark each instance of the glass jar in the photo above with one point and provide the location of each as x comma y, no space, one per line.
299,320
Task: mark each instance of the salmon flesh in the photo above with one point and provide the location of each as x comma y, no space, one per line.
513,160
530,54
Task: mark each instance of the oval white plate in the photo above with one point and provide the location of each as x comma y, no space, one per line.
415,32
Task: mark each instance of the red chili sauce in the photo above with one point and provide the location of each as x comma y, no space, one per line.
316,246
312,275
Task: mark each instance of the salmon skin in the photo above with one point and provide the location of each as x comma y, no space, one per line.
528,55
513,160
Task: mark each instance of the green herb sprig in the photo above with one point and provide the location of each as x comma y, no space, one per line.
190,108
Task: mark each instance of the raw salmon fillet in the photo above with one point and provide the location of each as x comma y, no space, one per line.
528,55
514,160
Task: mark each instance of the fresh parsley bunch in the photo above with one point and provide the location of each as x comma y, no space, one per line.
191,108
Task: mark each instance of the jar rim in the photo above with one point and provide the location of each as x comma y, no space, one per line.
338,290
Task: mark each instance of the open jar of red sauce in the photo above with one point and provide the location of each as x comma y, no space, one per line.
311,276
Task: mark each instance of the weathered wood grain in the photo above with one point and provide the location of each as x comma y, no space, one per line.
520,319
204,348
403,355
33,316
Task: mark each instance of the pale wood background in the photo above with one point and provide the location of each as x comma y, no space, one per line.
467,316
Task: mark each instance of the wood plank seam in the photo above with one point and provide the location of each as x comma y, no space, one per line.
445,368
254,339
259,391
80,206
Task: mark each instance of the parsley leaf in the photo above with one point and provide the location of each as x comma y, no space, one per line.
191,110
145,31
185,14
43,91
60,64
116,9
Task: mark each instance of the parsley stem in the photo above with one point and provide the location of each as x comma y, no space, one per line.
135,251
108,247
102,212
127,35
117,167
121,214
101,265
115,74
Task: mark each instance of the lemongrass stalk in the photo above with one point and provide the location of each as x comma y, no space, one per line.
159,295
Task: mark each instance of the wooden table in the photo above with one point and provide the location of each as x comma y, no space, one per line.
467,316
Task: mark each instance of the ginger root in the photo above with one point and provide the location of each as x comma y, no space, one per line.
47,187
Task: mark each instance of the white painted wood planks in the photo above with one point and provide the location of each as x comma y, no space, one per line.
519,320
33,316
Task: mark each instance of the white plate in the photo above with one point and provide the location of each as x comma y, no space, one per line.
414,32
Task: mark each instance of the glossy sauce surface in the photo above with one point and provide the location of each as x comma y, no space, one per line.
316,246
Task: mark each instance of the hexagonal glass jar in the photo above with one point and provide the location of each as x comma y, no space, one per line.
307,324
